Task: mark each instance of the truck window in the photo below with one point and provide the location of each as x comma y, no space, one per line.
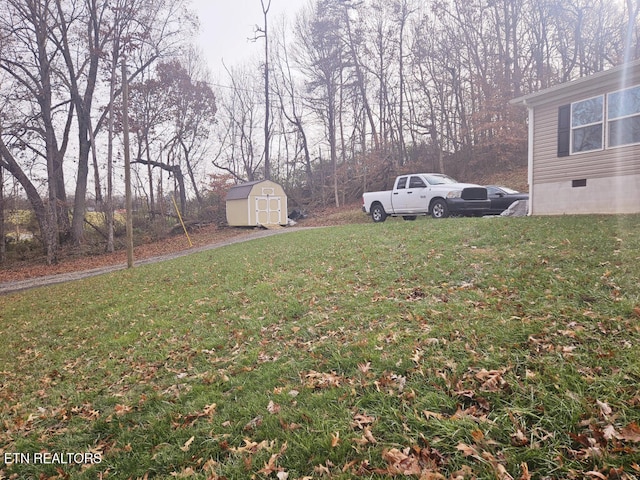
439,179
416,182
402,183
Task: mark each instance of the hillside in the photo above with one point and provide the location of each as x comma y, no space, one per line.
71,261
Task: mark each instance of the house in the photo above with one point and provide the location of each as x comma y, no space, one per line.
584,144
262,202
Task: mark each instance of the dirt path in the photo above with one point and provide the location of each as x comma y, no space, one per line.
39,281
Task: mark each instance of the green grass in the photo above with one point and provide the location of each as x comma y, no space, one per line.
464,348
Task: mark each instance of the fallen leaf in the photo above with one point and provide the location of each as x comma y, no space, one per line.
289,427
322,470
499,469
595,474
187,444
467,450
323,380
270,466
252,447
361,420
417,356
477,436
609,432
187,472
209,410
364,367
525,472
122,409
519,439
273,408
369,436
605,409
400,463
630,433
492,380
253,423
429,414
335,439
210,465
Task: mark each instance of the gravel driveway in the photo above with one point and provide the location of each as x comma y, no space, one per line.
16,286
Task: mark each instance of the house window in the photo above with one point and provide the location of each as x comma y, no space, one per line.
587,124
623,116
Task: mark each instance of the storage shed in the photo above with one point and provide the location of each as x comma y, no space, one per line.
262,202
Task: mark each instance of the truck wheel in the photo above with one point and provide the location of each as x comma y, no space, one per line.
377,213
439,209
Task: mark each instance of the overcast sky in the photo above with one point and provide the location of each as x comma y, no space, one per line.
225,26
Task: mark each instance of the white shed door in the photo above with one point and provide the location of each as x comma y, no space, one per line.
268,210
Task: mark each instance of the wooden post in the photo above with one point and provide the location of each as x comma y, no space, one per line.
3,246
127,162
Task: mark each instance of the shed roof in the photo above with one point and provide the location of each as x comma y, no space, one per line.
548,93
243,190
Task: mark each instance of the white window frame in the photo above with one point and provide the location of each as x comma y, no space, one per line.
602,123
623,117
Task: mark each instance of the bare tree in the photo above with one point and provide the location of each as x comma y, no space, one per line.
263,32
632,37
84,72
192,108
239,115
171,114
291,106
30,61
321,56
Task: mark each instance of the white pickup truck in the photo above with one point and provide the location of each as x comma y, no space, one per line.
424,194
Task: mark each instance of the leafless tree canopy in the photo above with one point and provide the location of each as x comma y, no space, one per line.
347,93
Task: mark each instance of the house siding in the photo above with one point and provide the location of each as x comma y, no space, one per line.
548,167
612,174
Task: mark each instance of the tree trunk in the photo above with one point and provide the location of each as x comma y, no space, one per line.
267,107
192,177
176,172
83,104
360,83
44,215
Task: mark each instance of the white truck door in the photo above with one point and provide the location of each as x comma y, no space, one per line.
416,195
399,196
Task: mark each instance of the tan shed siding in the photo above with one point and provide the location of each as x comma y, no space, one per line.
263,202
237,213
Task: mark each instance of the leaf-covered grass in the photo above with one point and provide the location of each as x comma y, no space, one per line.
464,348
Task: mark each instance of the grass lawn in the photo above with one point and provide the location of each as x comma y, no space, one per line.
454,349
